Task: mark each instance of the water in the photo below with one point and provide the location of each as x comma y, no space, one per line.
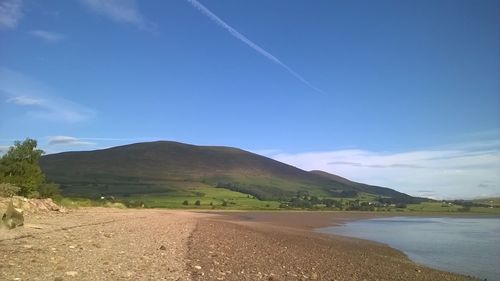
470,246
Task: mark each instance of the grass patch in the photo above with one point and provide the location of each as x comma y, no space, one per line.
438,207
209,197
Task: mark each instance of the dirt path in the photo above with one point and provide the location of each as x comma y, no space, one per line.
99,244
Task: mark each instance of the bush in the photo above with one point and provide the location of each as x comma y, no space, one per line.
8,190
185,203
49,190
197,203
115,205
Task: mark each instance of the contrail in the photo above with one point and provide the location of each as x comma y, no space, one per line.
251,44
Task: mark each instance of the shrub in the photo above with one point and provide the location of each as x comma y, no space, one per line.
8,190
197,203
185,203
49,190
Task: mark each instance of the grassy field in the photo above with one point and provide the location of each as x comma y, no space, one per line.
438,207
209,197
489,201
221,198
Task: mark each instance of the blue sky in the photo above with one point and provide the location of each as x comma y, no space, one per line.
404,94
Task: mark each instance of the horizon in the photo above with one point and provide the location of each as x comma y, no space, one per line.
400,95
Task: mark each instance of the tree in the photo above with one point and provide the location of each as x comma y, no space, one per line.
197,203
185,202
19,166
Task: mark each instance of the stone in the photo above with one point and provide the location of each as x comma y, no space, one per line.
163,248
71,273
12,217
197,267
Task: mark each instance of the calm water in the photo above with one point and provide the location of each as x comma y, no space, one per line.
469,246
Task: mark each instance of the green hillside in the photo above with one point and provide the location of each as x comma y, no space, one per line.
165,167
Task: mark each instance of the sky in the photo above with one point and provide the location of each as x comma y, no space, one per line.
403,94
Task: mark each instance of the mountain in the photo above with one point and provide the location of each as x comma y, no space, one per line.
164,166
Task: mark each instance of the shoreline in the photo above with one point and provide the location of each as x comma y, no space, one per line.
152,244
286,246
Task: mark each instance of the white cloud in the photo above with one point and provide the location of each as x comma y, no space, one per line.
120,11
47,36
473,171
10,13
68,141
37,101
235,33
22,100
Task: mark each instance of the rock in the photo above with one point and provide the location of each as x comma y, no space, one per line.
71,273
197,267
51,205
163,248
13,217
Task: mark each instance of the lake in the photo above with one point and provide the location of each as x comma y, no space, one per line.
470,246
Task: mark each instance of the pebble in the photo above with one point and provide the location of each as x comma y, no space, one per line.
163,248
197,267
71,273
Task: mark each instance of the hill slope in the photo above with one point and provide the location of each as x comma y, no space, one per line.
163,166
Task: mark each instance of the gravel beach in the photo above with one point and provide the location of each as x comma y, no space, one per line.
281,246
113,244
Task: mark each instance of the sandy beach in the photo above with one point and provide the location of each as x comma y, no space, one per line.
112,244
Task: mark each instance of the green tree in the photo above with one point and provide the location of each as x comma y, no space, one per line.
19,166
197,203
185,203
